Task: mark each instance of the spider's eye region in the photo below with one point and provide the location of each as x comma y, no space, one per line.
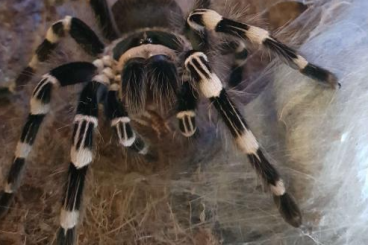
147,40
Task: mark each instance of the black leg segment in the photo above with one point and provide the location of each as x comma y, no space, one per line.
104,18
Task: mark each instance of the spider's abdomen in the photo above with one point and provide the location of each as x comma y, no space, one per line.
131,15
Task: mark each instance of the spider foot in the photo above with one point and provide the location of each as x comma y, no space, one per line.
321,75
5,200
66,237
289,209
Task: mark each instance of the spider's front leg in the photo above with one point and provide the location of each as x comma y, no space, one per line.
74,27
81,154
206,19
212,88
64,75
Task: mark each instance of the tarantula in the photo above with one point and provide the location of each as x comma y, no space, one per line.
150,63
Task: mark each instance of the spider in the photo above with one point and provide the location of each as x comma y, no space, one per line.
150,63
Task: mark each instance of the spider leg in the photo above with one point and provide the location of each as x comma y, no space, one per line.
205,19
199,38
211,87
200,41
81,154
120,122
64,75
103,15
187,104
77,29
240,53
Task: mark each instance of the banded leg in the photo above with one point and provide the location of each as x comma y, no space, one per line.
77,29
81,155
120,122
199,39
211,87
187,104
240,52
103,15
64,75
205,19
